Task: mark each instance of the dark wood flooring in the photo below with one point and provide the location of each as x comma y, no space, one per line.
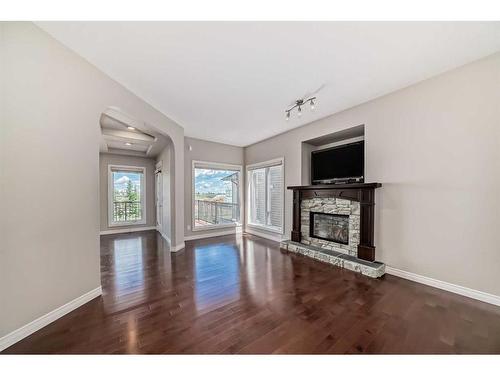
230,295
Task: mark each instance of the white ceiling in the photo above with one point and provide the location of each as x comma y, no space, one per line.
230,82
124,135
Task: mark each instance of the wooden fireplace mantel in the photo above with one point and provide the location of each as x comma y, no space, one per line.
360,192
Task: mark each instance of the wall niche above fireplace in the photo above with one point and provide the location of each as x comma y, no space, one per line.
338,138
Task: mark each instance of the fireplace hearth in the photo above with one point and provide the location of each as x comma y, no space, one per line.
329,227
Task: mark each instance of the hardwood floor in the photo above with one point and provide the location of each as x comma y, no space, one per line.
244,295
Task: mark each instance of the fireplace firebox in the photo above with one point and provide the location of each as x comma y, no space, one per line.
329,227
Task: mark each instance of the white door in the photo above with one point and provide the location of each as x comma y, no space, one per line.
159,198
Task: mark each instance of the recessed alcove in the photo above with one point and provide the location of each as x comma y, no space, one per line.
351,201
344,136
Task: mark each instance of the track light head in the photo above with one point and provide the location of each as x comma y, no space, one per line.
299,103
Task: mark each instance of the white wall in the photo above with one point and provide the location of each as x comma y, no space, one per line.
109,159
211,152
435,147
51,103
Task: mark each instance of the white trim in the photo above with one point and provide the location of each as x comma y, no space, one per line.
268,236
340,143
30,328
267,163
178,247
126,230
213,234
126,168
173,249
265,228
210,227
164,235
214,165
457,289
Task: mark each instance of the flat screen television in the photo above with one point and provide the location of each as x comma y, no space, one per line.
340,164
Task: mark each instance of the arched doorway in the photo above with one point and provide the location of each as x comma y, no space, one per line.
137,176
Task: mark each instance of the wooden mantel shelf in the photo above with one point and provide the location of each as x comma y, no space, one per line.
370,185
364,193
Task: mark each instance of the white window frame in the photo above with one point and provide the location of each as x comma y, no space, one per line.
213,165
266,164
125,168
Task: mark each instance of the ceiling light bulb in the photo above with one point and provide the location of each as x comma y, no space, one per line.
299,113
128,144
130,128
312,105
287,116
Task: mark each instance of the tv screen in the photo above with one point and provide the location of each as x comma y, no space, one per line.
341,162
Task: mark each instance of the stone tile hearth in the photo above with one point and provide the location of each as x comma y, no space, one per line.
352,263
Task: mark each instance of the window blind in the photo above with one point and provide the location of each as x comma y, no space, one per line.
266,195
275,204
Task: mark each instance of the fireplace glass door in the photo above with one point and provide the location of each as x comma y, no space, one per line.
329,227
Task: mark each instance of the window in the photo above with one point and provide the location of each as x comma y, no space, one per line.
265,195
216,195
126,195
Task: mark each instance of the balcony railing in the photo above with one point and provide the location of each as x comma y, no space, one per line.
212,213
127,211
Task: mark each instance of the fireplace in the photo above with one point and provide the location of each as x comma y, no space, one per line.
356,200
329,227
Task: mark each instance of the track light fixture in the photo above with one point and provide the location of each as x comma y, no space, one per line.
299,104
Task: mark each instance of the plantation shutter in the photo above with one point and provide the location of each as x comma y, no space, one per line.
275,204
259,196
266,195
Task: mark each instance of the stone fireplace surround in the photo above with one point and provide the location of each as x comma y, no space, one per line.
355,200
331,206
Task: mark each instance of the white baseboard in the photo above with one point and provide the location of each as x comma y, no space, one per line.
126,230
164,236
267,235
467,292
172,248
211,234
26,330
